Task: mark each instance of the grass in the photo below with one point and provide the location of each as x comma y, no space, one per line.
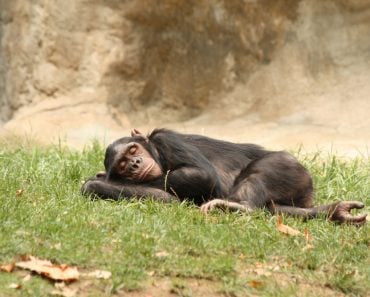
172,248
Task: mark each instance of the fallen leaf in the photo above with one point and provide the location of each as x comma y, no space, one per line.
15,286
65,292
49,270
276,268
21,232
19,192
24,257
60,285
57,246
150,273
7,267
146,236
255,284
286,229
262,272
242,256
258,264
263,269
307,235
308,247
161,254
27,278
103,274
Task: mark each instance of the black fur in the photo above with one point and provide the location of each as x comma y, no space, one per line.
199,168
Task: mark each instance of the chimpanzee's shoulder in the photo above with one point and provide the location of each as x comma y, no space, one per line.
159,133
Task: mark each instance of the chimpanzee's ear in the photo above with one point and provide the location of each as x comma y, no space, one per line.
135,132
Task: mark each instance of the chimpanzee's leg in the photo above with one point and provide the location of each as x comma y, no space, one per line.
279,182
339,212
246,197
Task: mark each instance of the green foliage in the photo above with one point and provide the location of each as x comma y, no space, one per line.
141,240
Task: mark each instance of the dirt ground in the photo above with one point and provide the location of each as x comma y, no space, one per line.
347,137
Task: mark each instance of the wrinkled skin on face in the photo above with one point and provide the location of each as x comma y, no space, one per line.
135,163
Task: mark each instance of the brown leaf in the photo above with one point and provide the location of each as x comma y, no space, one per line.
15,286
103,274
307,235
27,278
49,270
19,192
258,264
242,256
286,229
65,292
263,269
7,267
57,246
24,257
161,254
308,247
255,284
256,271
262,272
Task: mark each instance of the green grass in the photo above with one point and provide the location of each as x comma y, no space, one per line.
232,254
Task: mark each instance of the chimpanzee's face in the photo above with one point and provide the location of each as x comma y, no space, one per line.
132,161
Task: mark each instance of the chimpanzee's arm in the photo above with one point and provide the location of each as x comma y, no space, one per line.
111,190
195,184
186,182
187,173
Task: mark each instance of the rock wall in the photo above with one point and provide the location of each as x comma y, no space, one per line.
57,51
138,56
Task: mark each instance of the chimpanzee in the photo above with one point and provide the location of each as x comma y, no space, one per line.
212,173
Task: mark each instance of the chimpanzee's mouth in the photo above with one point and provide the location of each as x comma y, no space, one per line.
146,171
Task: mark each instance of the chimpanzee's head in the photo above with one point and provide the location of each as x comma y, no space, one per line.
131,158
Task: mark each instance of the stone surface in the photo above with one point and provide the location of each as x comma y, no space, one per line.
276,72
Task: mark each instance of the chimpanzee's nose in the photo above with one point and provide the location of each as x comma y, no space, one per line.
135,162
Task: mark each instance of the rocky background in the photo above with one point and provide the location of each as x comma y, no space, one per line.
277,72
